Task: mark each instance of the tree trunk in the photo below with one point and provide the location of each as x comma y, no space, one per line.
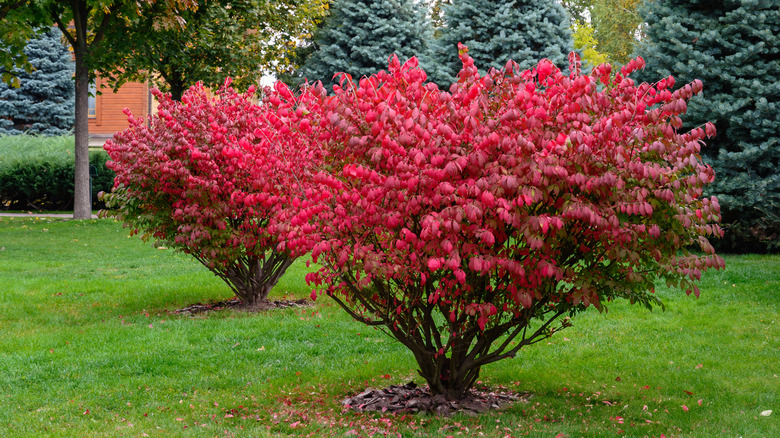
252,278
82,202
452,378
177,90
255,296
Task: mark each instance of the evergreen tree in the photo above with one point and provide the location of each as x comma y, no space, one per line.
360,35
496,31
733,46
44,101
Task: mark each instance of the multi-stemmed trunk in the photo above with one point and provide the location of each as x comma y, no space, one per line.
252,277
449,353
454,373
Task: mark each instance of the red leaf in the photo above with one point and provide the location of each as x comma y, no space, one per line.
544,68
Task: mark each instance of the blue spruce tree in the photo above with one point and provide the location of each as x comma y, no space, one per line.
733,46
44,102
496,31
360,35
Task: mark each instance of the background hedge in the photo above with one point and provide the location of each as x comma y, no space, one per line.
38,173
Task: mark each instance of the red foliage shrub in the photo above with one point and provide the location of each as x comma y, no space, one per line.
466,223
223,179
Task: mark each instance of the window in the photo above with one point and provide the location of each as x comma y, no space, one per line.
92,100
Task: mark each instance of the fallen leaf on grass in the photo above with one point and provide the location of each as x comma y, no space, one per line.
766,413
687,392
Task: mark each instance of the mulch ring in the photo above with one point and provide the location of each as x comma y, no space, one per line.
410,398
235,304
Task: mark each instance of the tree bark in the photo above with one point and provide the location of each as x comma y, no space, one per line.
177,89
82,199
252,278
82,202
450,377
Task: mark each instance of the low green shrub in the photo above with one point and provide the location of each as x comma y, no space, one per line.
38,173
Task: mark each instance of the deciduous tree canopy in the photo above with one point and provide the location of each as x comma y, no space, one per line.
84,24
242,39
605,29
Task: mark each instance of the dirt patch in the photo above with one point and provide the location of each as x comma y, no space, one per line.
236,304
410,398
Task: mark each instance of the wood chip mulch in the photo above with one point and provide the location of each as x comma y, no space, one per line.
410,398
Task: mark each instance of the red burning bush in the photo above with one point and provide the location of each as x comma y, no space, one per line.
223,179
473,223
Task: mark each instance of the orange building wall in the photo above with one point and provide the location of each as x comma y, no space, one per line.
109,117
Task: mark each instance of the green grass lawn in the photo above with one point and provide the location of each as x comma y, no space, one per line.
90,347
